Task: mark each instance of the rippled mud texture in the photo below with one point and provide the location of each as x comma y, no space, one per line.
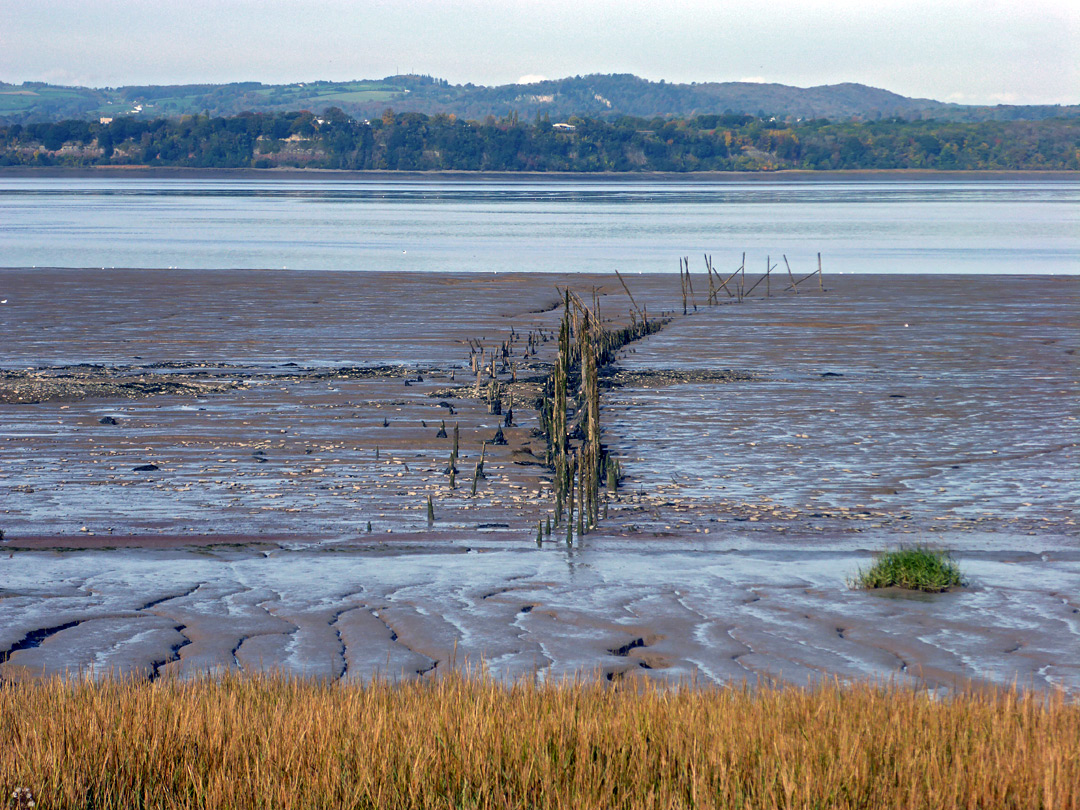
222,503
920,405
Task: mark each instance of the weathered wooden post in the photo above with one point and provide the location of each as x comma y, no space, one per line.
570,511
682,281
709,274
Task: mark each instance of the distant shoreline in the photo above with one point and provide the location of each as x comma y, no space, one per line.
793,175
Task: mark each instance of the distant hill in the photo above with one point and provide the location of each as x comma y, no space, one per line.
598,96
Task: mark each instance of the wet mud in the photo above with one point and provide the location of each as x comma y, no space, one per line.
206,471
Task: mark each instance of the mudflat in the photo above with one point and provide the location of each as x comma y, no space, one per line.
207,470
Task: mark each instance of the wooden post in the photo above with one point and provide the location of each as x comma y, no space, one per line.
791,276
712,289
570,504
820,285
682,285
768,281
589,373
742,278
581,498
690,284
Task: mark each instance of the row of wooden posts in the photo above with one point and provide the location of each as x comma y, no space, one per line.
571,393
569,406
570,414
737,281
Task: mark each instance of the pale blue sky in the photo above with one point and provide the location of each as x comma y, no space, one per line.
972,51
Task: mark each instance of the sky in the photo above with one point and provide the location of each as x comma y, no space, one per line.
968,51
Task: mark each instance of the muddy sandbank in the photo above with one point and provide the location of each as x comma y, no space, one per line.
769,448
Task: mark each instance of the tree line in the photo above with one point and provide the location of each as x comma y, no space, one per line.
419,142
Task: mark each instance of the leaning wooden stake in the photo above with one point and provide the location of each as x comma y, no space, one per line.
799,281
724,282
761,279
720,282
631,296
820,284
791,276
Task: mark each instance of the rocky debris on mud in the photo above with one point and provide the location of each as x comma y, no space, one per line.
618,377
79,382
74,383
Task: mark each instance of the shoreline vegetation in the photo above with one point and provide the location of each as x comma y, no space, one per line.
465,740
417,142
146,171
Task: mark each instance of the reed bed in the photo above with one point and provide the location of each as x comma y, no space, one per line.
459,741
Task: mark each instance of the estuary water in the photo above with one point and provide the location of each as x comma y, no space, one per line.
273,514
536,225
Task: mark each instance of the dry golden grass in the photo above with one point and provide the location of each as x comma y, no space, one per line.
265,741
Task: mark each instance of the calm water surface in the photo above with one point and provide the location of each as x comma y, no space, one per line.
542,226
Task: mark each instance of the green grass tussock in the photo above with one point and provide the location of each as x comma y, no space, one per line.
918,568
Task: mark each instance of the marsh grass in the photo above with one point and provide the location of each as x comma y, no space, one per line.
918,568
271,741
